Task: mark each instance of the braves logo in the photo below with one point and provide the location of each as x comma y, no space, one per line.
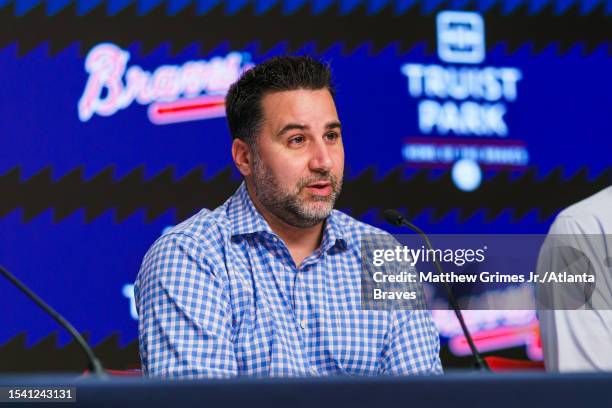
192,91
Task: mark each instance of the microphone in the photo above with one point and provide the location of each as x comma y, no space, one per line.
94,364
396,218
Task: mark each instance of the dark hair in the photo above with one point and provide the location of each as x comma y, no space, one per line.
243,100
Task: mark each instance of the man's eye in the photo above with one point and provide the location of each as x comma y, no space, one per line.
296,140
332,136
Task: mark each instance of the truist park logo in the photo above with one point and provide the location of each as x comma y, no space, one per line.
194,90
462,105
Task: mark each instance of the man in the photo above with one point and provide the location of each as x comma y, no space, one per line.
576,324
268,283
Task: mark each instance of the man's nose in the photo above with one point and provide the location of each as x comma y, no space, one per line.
321,159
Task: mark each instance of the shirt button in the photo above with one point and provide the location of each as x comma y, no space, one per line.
303,324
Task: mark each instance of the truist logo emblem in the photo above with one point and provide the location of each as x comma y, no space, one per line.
461,37
192,91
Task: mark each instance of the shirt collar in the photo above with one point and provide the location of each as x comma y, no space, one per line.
333,233
245,219
243,216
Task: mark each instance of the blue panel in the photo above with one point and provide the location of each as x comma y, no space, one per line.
94,302
97,143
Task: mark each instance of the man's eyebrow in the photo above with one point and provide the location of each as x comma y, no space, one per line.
297,126
291,126
333,125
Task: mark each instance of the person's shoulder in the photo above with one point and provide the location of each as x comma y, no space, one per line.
203,226
590,216
202,236
197,241
599,204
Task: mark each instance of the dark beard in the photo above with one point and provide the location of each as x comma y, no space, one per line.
289,207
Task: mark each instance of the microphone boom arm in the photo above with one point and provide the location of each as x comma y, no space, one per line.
396,218
94,364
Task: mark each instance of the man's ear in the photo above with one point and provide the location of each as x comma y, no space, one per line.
243,159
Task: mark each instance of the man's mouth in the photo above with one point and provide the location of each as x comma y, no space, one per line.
320,188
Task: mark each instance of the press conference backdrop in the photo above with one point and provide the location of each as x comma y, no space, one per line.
472,117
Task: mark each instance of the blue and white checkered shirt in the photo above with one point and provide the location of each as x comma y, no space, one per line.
219,295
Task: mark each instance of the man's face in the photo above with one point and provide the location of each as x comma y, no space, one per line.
299,156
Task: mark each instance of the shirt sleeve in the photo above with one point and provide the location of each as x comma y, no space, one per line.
574,340
184,311
413,344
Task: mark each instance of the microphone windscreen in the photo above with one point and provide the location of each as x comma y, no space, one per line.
393,216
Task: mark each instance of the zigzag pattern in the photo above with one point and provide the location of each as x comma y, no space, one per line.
45,356
327,28
15,356
171,7
366,191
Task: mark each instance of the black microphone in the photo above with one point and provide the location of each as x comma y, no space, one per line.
94,364
396,218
